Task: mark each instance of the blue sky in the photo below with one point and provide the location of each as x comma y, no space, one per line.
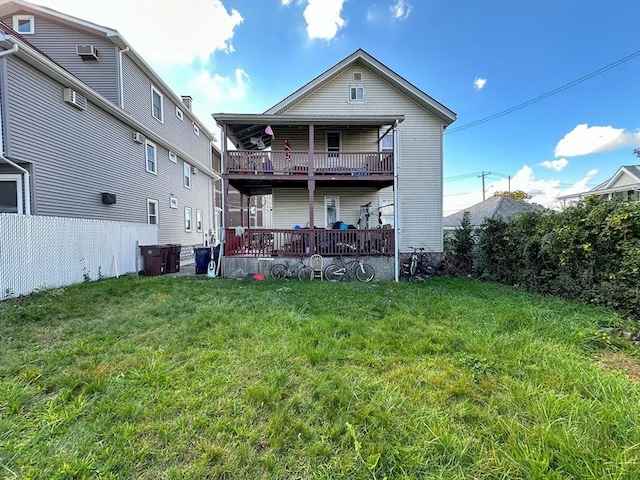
479,58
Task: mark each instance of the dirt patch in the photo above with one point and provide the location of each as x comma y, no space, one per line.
619,362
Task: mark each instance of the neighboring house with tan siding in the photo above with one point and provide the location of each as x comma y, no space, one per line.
363,140
90,130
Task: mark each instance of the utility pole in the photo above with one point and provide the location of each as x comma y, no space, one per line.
483,174
509,183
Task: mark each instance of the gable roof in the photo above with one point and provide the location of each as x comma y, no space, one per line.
493,207
609,186
10,7
363,58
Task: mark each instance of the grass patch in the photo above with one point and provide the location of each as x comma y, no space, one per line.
161,377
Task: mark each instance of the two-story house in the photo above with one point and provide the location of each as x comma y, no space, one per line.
352,163
90,130
623,185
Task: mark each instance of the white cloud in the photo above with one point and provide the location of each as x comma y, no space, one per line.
584,140
557,165
216,87
170,33
401,9
286,3
323,18
479,83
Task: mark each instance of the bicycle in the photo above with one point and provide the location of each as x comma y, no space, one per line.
337,271
419,267
287,270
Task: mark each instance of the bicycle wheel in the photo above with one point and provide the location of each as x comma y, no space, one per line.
365,272
334,273
278,271
305,273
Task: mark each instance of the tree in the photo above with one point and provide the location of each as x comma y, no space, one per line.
636,152
519,195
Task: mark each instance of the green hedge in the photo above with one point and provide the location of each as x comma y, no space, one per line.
589,252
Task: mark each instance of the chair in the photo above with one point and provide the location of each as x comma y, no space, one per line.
316,262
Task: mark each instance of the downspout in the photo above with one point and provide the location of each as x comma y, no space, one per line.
396,204
25,172
120,53
223,198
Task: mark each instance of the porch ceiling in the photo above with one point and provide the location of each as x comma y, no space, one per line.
242,127
252,186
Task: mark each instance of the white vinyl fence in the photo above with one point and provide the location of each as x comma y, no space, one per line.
47,252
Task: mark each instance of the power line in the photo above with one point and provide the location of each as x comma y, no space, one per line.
546,95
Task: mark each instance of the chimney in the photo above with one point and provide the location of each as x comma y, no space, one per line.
187,100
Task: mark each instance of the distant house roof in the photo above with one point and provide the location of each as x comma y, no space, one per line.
626,178
493,207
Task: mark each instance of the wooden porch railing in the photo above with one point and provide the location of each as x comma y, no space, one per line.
297,162
261,242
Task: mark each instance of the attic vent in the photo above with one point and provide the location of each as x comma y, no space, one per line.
357,76
74,98
87,52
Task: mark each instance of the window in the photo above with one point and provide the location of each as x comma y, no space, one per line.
11,193
331,210
387,141
173,157
24,24
152,164
187,219
173,202
152,212
196,129
156,104
333,147
356,94
199,220
179,114
187,174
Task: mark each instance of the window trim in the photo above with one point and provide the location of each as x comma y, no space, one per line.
382,146
17,18
155,90
157,214
186,175
173,157
356,86
179,114
199,220
148,144
17,178
188,220
173,202
196,129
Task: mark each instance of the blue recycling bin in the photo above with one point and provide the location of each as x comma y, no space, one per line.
203,256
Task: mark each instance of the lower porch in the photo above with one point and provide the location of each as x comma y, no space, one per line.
304,242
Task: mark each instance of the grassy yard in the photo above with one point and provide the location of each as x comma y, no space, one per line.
152,378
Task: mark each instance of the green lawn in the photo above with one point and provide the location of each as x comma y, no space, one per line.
161,377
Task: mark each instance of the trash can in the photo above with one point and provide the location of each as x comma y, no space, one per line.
155,259
173,258
203,256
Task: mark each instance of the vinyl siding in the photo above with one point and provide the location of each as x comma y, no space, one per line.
290,206
420,135
59,42
137,102
76,155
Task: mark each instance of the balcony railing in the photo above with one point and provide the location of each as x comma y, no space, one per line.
297,162
260,242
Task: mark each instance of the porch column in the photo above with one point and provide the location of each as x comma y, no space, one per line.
312,193
311,187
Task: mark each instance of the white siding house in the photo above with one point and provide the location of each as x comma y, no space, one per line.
364,147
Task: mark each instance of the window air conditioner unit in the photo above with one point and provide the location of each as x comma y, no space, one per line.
87,52
74,98
137,137
194,170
